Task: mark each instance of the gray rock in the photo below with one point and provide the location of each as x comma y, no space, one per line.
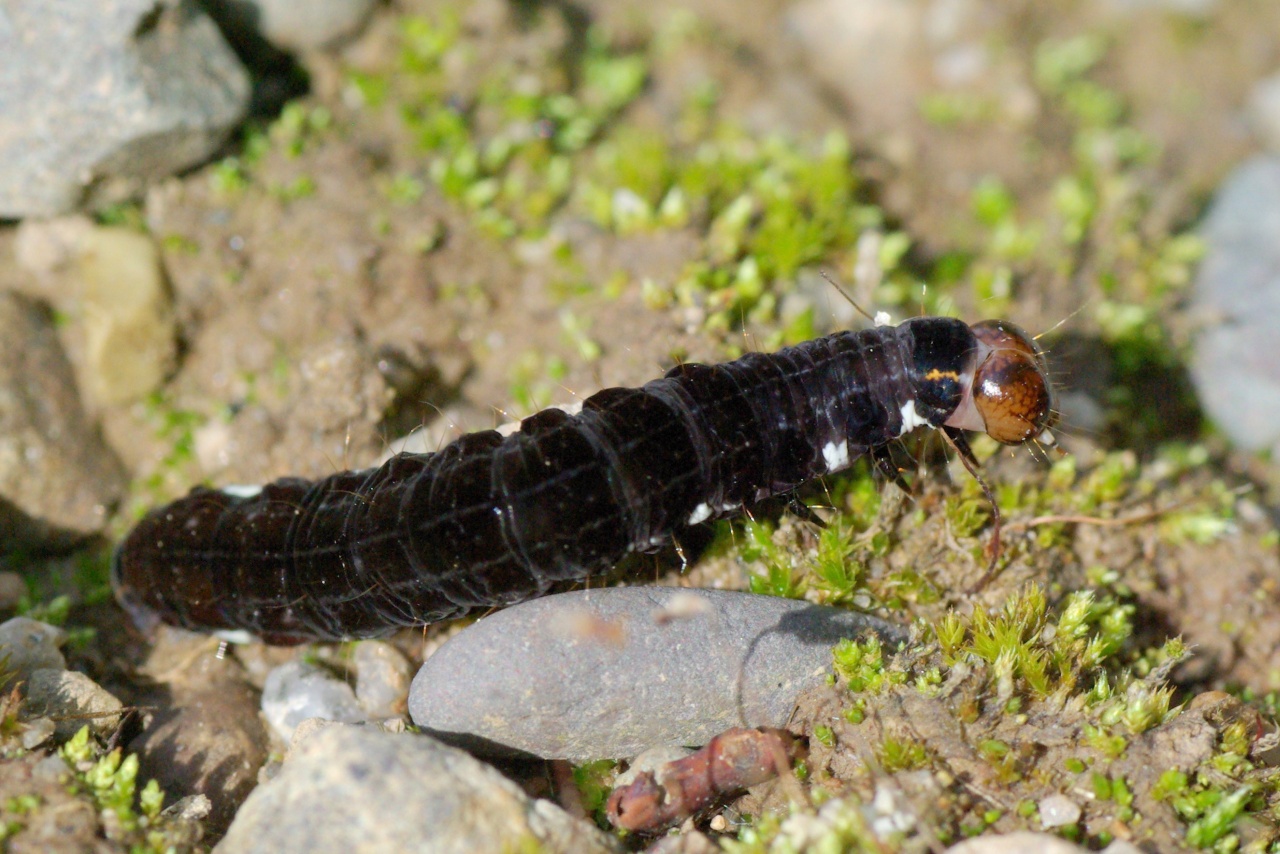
26,646
1236,363
607,673
293,26
296,691
57,478
358,789
1016,843
1190,8
97,98
73,700
383,675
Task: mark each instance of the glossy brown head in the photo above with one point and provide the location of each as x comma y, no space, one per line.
1011,390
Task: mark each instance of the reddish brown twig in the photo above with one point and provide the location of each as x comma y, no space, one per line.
729,763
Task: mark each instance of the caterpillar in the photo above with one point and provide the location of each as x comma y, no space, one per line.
490,520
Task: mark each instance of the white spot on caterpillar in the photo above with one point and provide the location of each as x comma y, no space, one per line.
882,318
911,419
705,511
836,455
428,440
701,513
240,490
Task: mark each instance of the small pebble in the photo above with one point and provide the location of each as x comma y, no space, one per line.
55,470
296,691
603,674
293,26
359,789
1189,8
108,284
129,338
191,808
1263,111
1024,842
1058,811
28,645
1236,361
36,732
383,675
890,813
73,700
1122,846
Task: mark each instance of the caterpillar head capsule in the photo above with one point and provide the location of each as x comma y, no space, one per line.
1009,397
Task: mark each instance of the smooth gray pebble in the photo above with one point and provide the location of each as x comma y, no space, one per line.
296,691
27,645
73,700
1236,361
383,675
605,674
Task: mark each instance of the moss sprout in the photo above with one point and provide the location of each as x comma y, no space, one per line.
901,754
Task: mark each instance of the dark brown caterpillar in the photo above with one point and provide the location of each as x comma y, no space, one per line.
489,521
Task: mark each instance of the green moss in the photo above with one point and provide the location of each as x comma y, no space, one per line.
967,515
594,781
1172,782
528,142
836,573
958,109
1108,744
297,127
535,381
576,332
127,214
110,779
862,666
901,754
47,609
1219,819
